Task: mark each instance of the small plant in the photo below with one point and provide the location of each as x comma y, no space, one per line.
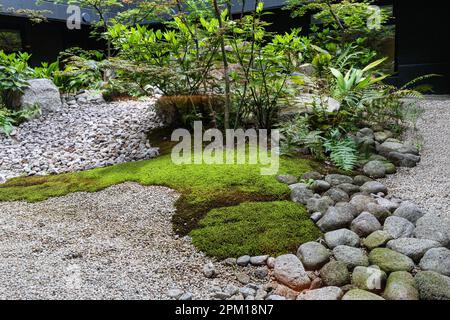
342,150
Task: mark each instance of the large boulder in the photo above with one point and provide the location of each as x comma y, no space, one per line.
335,218
433,286
369,278
390,261
412,247
335,273
341,237
409,211
351,256
365,224
327,293
358,294
437,260
313,255
42,92
289,271
398,227
434,226
401,286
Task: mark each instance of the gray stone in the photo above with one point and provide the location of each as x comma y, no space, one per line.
338,195
433,286
373,187
319,204
390,167
358,294
351,256
243,261
401,286
365,224
230,261
275,297
412,247
341,237
2,179
382,136
361,201
287,179
404,159
246,292
437,260
271,262
316,216
360,180
259,260
320,186
337,179
313,255
369,278
289,271
390,261
434,227
375,169
42,92
312,176
349,188
409,211
398,227
335,273
230,290
379,212
347,208
387,204
209,270
301,194
261,273
175,293
393,145
324,294
243,278
186,296
335,219
376,239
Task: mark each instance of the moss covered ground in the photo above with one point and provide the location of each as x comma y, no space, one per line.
202,188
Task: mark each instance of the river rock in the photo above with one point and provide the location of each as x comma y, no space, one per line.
369,278
409,211
351,256
289,271
412,247
437,260
365,224
327,294
337,179
373,187
335,273
319,204
334,219
313,255
287,179
390,261
398,227
361,202
320,186
341,237
377,239
358,294
401,286
433,286
375,169
301,194
434,227
338,195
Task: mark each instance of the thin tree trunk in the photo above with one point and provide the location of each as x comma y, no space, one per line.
225,68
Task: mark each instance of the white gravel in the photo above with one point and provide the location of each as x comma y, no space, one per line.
428,184
80,137
113,244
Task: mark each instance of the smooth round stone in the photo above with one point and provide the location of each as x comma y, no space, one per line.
374,187
341,237
361,202
312,176
319,204
369,278
390,261
349,188
375,169
289,271
412,247
320,186
434,227
398,227
432,286
409,211
365,224
287,179
335,219
358,294
401,286
335,273
377,239
353,257
437,260
313,255
337,179
360,180
323,294
259,260
338,195
243,261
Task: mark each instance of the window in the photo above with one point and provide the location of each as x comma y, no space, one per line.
10,40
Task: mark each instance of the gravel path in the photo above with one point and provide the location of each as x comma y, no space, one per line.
79,137
113,244
428,184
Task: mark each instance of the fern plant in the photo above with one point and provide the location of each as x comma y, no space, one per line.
343,150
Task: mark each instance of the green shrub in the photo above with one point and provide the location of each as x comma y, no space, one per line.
254,228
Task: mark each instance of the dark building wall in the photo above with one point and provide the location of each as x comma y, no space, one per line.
45,40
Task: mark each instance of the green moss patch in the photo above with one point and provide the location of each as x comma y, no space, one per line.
203,187
254,228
